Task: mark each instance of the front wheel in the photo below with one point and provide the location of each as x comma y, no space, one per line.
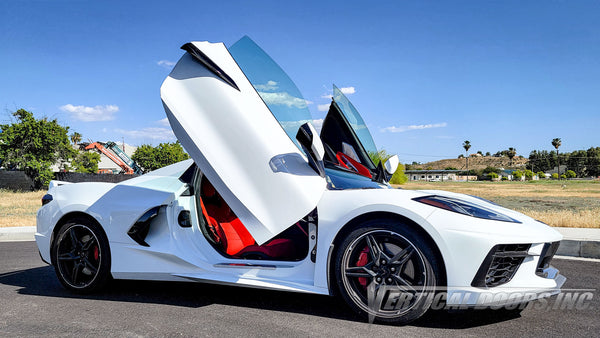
81,256
385,271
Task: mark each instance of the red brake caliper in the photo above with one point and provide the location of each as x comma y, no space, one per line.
96,253
363,259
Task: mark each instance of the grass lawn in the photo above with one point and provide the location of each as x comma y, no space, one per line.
558,203
19,208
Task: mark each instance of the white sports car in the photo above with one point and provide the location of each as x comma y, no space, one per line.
267,202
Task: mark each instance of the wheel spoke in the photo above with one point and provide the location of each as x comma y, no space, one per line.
88,244
403,284
73,236
75,273
360,271
402,257
67,257
89,265
374,302
374,249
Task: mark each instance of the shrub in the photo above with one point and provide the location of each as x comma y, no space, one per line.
541,174
555,176
563,176
570,174
528,175
517,175
492,175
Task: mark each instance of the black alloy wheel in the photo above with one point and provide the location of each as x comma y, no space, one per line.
386,274
81,256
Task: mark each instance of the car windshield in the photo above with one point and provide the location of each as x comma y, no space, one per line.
274,86
356,122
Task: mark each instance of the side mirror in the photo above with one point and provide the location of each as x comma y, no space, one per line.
311,143
392,164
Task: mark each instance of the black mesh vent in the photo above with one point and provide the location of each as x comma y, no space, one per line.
500,265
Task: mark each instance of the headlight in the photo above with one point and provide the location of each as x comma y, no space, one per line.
463,207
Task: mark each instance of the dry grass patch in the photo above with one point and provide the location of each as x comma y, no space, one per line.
557,203
19,208
589,218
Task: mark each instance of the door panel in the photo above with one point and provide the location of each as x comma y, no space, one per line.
235,139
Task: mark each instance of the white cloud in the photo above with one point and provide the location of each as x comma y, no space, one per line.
284,98
402,129
318,124
344,90
348,90
164,122
89,114
150,133
166,64
269,86
323,107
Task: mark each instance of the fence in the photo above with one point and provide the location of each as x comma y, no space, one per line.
17,180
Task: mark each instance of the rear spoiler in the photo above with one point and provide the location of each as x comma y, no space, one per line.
55,183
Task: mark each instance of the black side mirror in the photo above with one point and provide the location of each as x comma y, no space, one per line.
309,139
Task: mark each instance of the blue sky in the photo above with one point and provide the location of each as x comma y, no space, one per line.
425,75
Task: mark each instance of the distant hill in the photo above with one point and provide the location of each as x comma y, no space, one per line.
475,163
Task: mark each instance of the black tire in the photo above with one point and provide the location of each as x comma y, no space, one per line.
81,256
386,272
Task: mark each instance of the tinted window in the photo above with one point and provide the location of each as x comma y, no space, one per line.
273,85
356,122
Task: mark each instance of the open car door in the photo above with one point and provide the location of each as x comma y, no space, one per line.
346,137
243,148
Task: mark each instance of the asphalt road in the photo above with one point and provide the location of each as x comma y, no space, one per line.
33,303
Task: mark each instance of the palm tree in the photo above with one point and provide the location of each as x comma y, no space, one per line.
75,138
557,143
467,145
511,154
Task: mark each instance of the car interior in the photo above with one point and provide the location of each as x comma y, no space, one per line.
228,235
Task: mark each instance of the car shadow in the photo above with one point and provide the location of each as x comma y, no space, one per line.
42,281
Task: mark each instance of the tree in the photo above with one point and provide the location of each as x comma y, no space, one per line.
34,145
489,170
511,154
557,143
467,146
528,174
398,177
152,158
570,174
592,162
86,162
76,138
541,175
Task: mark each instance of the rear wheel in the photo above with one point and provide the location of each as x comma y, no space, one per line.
386,271
81,256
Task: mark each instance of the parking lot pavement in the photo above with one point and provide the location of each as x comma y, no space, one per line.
34,304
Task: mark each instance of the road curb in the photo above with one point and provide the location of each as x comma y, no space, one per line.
578,248
572,245
17,234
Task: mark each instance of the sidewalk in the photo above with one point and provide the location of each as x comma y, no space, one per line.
577,242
